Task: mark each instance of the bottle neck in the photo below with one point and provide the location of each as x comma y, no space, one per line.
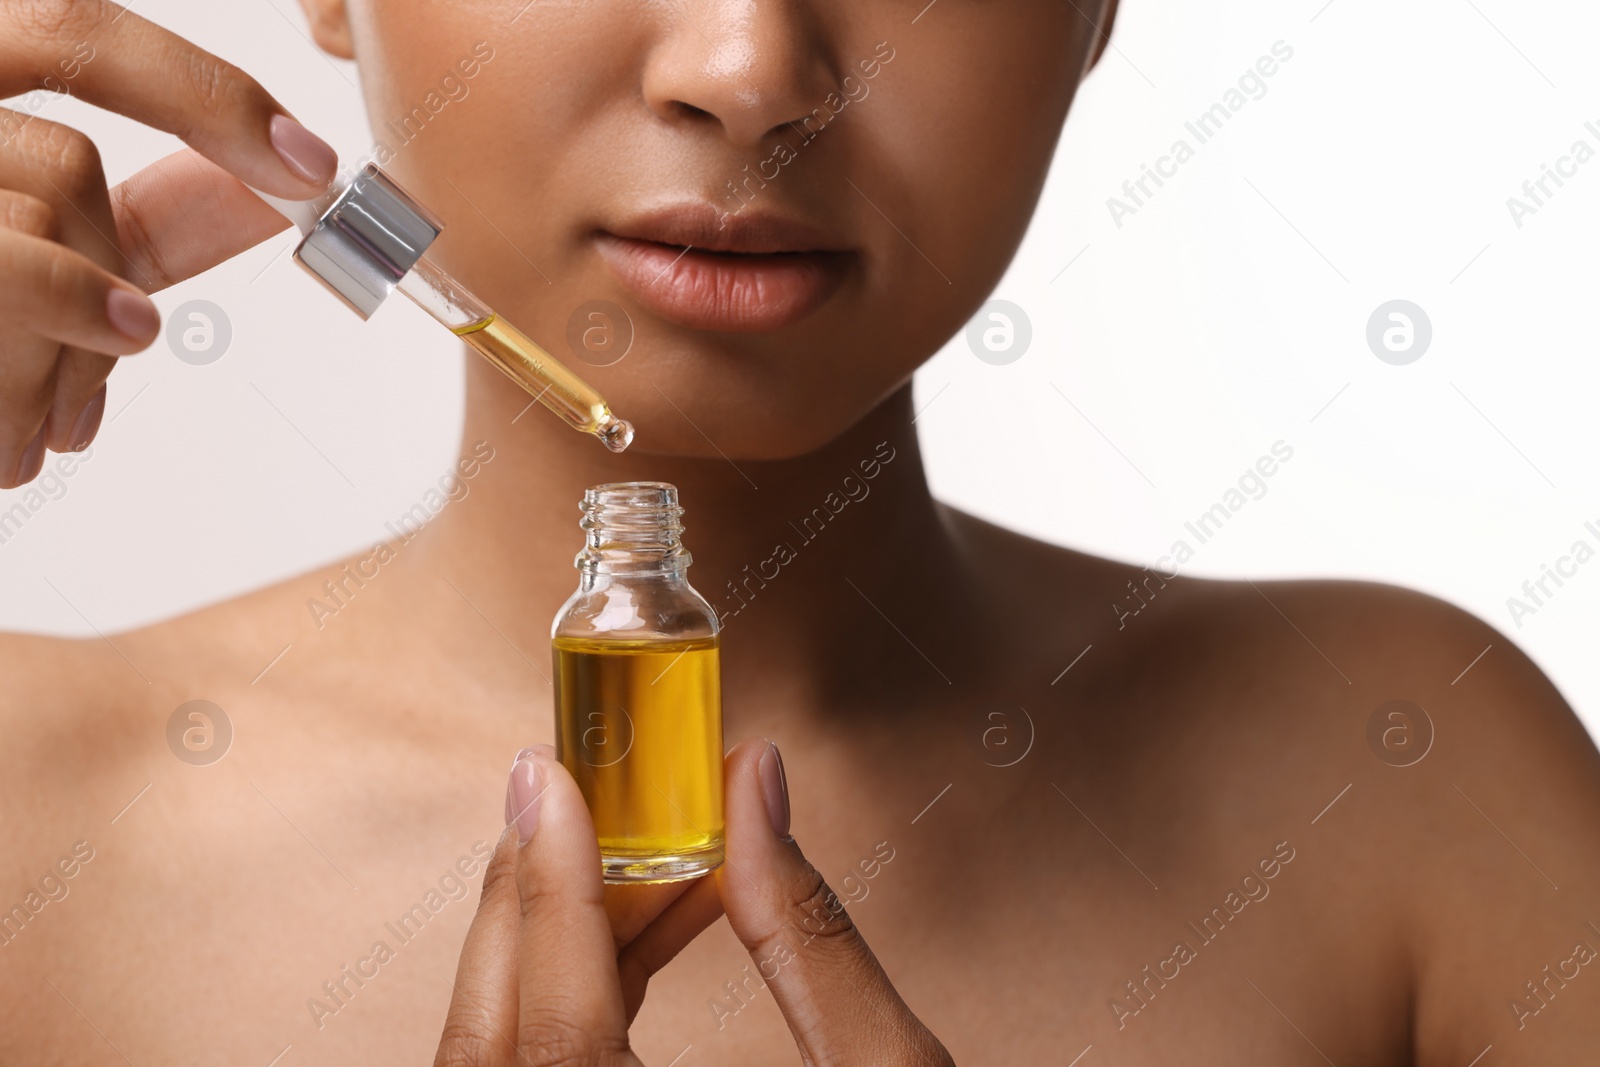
632,528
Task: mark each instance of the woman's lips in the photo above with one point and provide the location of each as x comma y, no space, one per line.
722,287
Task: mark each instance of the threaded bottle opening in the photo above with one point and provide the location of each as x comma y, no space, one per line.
632,528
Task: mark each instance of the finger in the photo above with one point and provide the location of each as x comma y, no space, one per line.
481,1025
183,215
56,193
57,187
58,293
651,922
650,912
29,214
27,361
80,399
654,947
117,60
23,455
27,383
176,218
62,167
837,1000
571,997
632,908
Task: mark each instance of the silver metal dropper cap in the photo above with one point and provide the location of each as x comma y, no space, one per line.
367,240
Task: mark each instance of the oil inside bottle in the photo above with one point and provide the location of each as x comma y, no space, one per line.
639,726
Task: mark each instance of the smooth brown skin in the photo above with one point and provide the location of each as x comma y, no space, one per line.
1171,759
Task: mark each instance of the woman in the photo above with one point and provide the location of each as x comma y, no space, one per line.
1273,822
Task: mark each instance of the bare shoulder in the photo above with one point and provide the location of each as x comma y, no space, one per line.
61,696
1382,682
1484,799
99,674
69,711
1440,797
1297,662
1370,648
85,719
1443,797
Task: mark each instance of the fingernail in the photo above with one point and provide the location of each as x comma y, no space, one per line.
32,460
511,807
133,314
88,422
774,789
303,152
527,791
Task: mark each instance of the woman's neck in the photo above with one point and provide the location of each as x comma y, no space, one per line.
798,556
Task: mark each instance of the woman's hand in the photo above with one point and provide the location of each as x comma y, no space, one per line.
77,257
838,1002
555,964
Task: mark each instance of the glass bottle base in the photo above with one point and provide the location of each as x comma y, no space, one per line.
638,868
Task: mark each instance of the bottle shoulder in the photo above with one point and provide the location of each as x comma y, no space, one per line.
618,609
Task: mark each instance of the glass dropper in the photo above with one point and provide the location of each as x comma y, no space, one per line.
508,348
366,237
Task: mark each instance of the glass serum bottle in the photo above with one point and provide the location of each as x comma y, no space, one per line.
638,695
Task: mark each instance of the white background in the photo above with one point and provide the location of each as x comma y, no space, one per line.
1228,313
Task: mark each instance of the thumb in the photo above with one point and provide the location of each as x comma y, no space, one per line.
183,214
838,1002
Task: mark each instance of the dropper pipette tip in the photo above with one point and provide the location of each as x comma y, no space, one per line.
616,434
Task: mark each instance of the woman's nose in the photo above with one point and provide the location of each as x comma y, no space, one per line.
748,66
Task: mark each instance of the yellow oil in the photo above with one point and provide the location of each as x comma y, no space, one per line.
521,359
639,725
